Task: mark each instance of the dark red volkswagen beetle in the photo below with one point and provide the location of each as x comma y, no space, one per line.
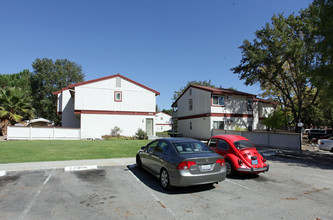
239,153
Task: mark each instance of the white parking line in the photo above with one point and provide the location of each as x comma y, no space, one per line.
245,187
28,208
3,173
158,200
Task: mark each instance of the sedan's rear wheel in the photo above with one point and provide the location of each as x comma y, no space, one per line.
138,162
164,178
230,168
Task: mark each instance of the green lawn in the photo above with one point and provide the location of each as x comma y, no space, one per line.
33,151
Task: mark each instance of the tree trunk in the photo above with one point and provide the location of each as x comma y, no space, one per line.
3,126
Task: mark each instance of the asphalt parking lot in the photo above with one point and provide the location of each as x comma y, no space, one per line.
296,187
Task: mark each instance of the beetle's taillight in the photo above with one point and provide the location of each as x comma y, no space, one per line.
185,165
240,162
221,162
264,160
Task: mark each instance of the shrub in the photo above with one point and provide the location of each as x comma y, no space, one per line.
141,134
115,132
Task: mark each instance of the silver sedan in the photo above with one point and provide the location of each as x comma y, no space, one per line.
181,162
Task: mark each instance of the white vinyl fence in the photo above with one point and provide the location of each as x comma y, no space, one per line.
42,133
283,141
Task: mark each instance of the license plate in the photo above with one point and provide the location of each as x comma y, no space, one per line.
206,167
254,162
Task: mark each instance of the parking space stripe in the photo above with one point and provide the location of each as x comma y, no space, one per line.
245,187
159,201
28,208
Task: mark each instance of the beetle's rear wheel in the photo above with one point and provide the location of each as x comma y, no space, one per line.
230,168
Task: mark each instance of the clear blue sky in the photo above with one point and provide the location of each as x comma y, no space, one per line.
162,44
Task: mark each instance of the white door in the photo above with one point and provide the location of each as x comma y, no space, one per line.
149,126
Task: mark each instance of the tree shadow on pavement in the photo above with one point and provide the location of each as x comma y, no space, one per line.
305,159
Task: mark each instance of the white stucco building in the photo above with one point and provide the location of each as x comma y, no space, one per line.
163,122
97,106
199,109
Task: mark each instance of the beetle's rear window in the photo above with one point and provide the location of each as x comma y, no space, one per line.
243,144
191,147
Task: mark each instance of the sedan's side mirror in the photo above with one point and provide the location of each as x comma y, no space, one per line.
143,147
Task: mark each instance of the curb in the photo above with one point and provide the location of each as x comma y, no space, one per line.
3,173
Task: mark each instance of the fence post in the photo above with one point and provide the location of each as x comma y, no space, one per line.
53,133
30,132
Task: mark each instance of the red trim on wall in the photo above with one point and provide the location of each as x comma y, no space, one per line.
99,112
105,78
115,95
231,115
217,115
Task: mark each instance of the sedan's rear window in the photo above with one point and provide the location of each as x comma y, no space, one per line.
243,144
191,147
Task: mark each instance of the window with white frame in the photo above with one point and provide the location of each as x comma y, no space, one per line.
118,96
218,100
218,125
190,104
249,103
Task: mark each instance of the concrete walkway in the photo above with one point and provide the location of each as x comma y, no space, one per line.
9,167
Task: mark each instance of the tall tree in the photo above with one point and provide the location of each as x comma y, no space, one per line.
279,60
15,106
18,80
320,16
49,77
208,83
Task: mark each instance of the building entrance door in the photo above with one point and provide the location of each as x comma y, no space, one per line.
149,126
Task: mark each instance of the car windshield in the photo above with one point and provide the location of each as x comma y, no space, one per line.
191,147
243,144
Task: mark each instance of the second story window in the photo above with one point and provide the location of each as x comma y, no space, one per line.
218,100
190,105
249,104
118,96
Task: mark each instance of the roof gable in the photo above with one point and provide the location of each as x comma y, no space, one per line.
215,91
105,78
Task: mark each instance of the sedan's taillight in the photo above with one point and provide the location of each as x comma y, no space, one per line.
221,162
185,165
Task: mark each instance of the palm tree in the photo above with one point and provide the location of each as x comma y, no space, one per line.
15,106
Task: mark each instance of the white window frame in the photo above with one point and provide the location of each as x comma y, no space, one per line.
219,98
219,123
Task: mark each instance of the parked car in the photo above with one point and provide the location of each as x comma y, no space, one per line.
181,162
326,144
315,140
239,153
314,133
